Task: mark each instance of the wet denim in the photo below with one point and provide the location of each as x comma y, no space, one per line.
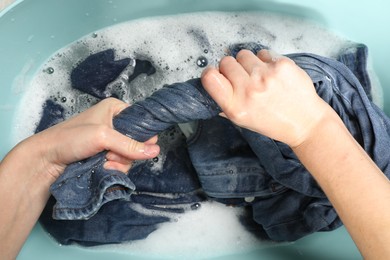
116,222
167,186
239,167
355,58
85,186
94,73
142,67
52,114
225,163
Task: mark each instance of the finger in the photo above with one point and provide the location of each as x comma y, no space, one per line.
152,140
218,87
129,148
222,114
233,71
113,165
111,156
268,56
117,105
249,61
102,112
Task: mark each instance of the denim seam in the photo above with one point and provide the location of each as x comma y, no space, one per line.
89,209
258,194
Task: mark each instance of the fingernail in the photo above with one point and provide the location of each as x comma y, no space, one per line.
151,149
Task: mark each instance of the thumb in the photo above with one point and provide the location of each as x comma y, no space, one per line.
130,148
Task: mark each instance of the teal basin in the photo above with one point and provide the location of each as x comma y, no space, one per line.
32,30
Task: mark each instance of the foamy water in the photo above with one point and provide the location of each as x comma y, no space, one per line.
210,231
175,45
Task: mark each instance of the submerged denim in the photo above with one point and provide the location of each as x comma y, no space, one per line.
240,167
94,73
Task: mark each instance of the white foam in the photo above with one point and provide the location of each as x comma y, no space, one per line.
210,231
174,43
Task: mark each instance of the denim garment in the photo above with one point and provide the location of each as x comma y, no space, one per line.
94,73
291,215
52,114
85,186
142,67
163,192
116,222
225,163
170,178
304,201
355,58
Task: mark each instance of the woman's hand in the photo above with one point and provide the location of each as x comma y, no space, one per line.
87,134
268,94
29,169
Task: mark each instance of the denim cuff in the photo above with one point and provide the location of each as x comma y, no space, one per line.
86,187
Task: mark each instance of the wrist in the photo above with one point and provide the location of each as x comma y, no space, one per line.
316,124
37,165
327,146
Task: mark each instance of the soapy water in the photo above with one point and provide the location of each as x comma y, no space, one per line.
178,47
210,230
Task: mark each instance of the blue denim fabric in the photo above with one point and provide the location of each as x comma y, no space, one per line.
85,186
288,203
291,215
94,73
142,67
355,58
176,103
163,192
52,114
170,178
116,222
225,163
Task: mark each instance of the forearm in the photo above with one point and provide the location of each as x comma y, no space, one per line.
359,191
24,191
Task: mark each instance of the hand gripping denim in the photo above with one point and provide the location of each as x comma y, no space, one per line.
297,204
334,83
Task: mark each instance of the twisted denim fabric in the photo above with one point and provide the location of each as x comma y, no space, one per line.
286,202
